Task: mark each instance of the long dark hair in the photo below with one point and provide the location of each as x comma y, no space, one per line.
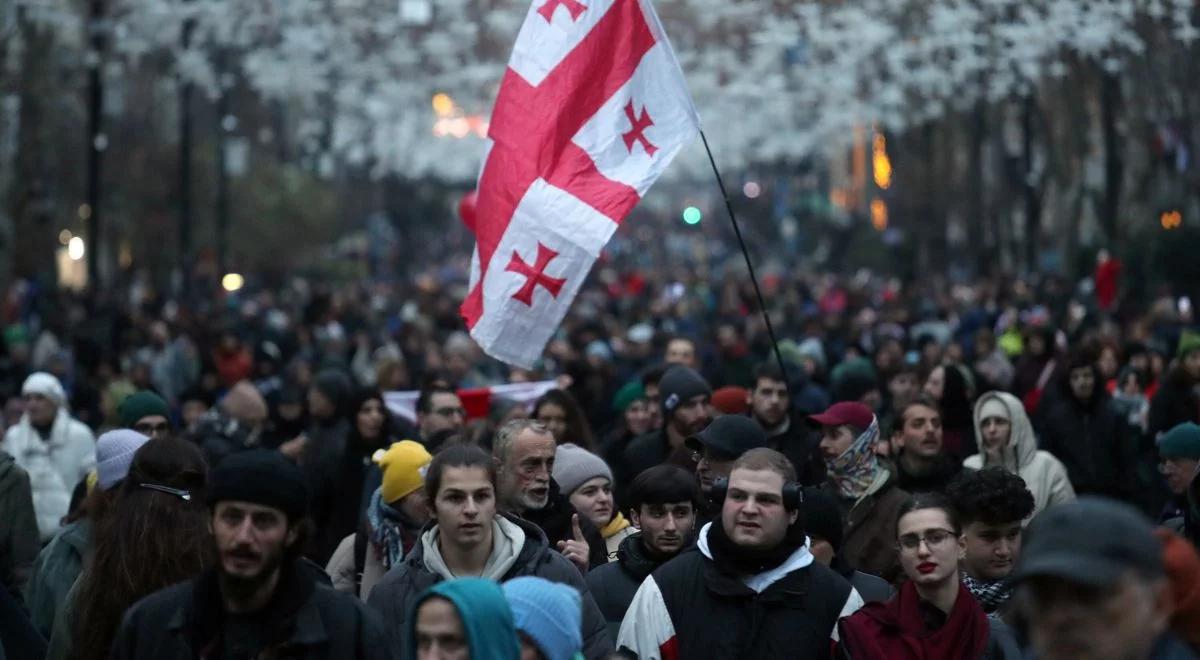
578,430
147,540
955,405
386,431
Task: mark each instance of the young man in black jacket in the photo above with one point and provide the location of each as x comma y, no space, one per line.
750,588
662,504
261,599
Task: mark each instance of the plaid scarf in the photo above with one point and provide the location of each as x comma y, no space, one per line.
855,470
992,595
385,524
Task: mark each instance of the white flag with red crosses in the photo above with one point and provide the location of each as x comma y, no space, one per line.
591,110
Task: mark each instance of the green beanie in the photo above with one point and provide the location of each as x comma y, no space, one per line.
1183,441
630,392
1189,341
142,403
16,335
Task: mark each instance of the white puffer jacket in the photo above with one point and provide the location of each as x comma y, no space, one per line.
55,466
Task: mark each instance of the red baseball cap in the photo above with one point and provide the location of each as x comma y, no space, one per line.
847,412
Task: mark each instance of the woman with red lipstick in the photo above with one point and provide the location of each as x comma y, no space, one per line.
932,617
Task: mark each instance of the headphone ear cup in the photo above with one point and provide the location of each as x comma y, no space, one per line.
793,496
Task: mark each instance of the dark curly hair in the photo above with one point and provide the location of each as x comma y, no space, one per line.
993,496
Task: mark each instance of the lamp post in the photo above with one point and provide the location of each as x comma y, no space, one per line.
97,141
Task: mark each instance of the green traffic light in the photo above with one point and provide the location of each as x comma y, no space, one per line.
691,215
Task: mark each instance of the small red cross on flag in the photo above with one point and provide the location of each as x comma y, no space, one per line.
591,110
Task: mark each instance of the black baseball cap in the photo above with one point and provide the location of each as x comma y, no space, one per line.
729,435
1092,541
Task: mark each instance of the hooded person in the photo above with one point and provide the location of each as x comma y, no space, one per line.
863,485
464,613
469,536
547,618
1006,439
56,450
397,511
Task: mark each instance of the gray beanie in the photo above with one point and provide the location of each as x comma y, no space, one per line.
114,455
679,384
574,466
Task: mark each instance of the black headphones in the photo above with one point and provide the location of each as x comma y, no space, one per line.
793,494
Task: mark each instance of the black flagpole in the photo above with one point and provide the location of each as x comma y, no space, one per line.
762,306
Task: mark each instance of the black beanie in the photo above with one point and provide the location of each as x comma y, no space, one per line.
260,476
679,384
336,387
822,518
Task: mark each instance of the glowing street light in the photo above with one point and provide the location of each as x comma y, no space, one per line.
443,105
232,282
880,163
76,248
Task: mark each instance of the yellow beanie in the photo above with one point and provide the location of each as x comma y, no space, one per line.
403,465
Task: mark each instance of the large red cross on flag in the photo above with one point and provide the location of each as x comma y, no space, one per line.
592,108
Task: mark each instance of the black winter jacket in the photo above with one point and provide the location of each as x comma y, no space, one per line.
614,584
303,621
1093,443
394,595
555,522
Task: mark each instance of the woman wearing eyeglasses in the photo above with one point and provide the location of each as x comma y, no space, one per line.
933,616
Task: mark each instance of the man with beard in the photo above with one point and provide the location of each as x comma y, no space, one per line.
258,601
524,450
684,396
916,442
663,503
770,406
750,588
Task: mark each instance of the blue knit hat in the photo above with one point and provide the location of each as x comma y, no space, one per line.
114,455
485,616
551,614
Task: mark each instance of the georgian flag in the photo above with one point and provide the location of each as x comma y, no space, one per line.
591,110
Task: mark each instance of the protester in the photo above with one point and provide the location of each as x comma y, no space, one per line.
235,425
525,451
470,537
916,445
19,534
864,487
438,409
559,412
1182,565
681,351
993,505
949,388
1177,400
56,450
633,419
717,447
1007,440
148,541
684,396
587,482
547,617
823,522
770,406
397,511
663,504
258,600
751,588
147,413
339,466
462,619
1095,595
933,616
1178,459
1081,429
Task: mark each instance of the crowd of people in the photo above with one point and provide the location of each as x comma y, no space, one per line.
996,471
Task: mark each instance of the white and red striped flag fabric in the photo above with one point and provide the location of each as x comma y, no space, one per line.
476,401
592,108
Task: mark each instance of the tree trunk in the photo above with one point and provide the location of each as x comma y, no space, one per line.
1114,162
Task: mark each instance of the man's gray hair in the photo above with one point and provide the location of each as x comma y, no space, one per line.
502,445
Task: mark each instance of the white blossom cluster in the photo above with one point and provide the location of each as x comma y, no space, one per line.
772,79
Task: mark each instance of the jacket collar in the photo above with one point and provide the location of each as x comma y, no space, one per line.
634,559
